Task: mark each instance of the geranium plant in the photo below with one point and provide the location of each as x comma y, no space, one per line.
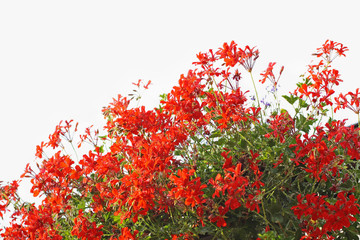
211,162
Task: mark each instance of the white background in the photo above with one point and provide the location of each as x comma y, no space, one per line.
62,60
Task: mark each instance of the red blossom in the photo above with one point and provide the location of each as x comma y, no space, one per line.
84,229
248,57
190,190
350,100
321,78
336,216
329,48
268,74
315,154
282,125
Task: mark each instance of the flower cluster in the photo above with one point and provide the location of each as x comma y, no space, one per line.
207,163
334,217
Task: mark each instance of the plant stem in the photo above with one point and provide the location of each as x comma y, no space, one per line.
257,96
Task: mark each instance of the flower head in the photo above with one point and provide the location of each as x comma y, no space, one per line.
330,50
248,57
268,74
353,103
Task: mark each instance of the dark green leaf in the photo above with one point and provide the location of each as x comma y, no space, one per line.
291,99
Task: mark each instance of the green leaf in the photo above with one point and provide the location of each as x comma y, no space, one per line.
101,149
205,230
81,204
221,141
163,96
277,218
103,137
302,103
106,216
304,124
215,134
351,235
298,233
291,99
177,152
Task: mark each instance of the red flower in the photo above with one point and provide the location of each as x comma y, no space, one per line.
268,74
233,55
252,202
191,190
282,125
84,229
248,58
219,219
328,48
353,103
230,54
336,216
127,235
315,154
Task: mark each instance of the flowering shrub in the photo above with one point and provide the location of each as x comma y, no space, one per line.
208,163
